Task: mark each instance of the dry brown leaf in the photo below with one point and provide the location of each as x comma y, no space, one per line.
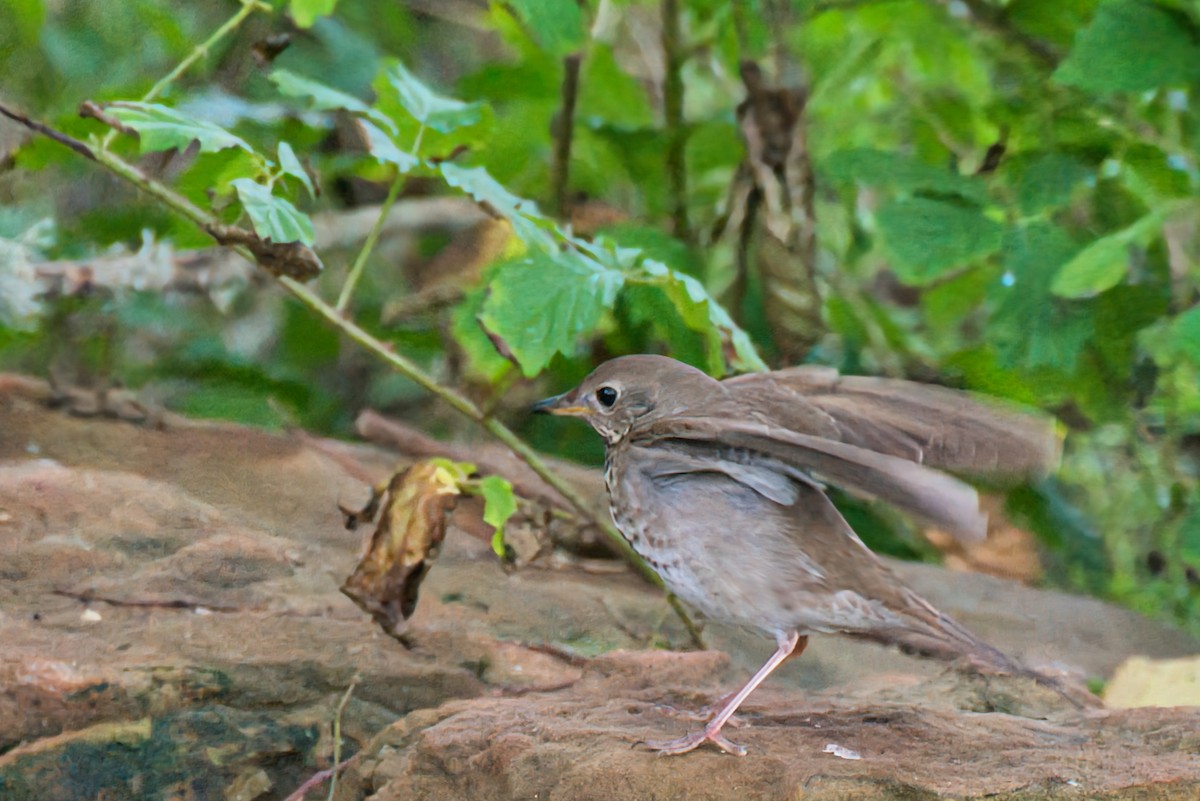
416,504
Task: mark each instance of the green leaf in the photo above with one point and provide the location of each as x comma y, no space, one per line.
703,314
1103,263
524,307
1048,180
162,128
499,504
1055,22
542,305
273,217
893,170
1031,328
645,310
320,96
305,12
325,98
557,25
482,358
530,225
453,474
1132,46
442,114
384,149
290,165
1150,174
928,238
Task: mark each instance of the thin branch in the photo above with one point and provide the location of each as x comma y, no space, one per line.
58,136
360,263
564,131
244,243
200,51
673,57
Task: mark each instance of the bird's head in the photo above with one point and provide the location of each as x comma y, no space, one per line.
629,391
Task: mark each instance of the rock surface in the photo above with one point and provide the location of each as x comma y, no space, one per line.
171,627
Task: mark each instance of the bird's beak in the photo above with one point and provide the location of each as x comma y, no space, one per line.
563,404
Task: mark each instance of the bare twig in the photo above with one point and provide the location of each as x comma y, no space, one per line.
244,243
564,130
58,136
91,110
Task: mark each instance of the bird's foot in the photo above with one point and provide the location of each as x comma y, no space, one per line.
701,715
691,742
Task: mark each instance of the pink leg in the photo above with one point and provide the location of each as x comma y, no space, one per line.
712,730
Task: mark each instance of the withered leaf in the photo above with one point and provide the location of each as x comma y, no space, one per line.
401,550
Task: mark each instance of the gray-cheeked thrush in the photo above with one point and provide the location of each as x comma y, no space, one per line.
718,485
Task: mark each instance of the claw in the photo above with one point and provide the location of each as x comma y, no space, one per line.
690,742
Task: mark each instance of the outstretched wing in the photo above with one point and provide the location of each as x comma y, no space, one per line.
932,496
934,426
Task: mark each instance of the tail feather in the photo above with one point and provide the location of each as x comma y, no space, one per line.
935,634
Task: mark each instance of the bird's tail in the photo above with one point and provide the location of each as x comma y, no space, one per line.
929,632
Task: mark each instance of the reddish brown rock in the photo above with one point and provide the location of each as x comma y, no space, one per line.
171,627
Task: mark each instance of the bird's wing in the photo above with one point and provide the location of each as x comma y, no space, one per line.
934,497
934,426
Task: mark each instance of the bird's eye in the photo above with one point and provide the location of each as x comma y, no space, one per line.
607,396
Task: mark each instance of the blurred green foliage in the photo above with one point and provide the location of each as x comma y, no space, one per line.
1064,275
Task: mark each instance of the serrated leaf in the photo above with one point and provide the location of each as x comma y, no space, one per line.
273,218
556,25
1132,46
535,318
290,165
1102,264
162,128
326,98
305,12
482,358
703,314
530,225
442,114
648,306
499,504
542,305
928,238
384,149
320,96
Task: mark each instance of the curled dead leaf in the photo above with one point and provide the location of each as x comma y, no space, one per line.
415,506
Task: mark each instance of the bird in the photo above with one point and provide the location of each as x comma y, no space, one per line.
720,486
